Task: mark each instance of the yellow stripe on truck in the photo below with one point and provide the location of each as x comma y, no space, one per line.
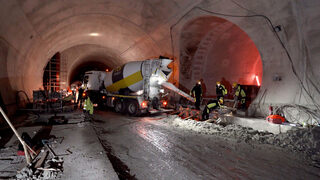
125,82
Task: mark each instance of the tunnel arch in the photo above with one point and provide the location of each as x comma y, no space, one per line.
214,49
84,53
76,60
91,64
133,44
29,24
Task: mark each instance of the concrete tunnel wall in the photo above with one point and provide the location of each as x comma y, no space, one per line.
275,61
217,51
33,31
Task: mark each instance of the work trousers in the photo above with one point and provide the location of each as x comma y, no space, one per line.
197,103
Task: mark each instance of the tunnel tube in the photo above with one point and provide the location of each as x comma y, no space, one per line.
78,72
219,51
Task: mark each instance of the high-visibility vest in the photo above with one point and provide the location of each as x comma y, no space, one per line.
221,90
224,91
240,92
88,106
212,105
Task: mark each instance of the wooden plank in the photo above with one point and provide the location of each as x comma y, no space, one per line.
41,160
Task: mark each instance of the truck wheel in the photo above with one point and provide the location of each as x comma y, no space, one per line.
133,108
118,106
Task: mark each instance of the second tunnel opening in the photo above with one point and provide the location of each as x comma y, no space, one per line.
212,50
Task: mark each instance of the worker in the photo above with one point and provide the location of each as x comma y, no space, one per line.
73,92
80,96
212,105
221,91
196,92
239,95
88,106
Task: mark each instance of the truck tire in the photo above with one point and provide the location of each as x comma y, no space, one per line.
119,106
133,108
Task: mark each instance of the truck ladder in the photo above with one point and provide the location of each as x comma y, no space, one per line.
146,79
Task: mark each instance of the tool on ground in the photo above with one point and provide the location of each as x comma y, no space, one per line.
276,119
46,143
41,160
27,149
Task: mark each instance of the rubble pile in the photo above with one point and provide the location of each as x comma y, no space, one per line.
51,169
305,140
46,165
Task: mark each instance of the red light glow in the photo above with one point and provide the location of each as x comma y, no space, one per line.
144,104
103,97
257,79
164,103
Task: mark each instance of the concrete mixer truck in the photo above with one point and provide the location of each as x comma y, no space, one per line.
135,87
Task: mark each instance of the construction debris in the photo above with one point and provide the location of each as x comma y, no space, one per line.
52,170
189,113
29,153
303,140
57,120
41,160
78,157
40,166
48,166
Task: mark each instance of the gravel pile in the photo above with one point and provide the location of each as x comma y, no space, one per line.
305,140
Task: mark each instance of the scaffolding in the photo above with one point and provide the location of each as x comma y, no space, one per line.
55,74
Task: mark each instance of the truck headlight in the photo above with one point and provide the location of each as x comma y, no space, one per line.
139,92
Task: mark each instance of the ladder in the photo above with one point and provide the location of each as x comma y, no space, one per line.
146,78
63,73
52,70
56,73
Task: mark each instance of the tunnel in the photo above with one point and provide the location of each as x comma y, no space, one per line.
123,37
270,48
78,73
219,51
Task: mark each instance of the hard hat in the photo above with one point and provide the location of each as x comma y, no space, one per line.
234,84
199,82
218,82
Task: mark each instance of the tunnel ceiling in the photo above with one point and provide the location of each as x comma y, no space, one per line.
194,31
129,30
